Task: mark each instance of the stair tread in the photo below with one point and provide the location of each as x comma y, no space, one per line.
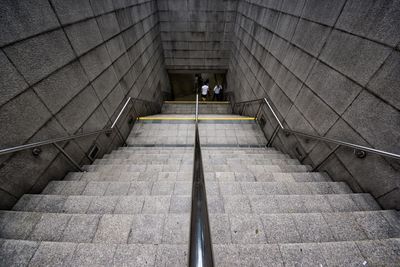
47,253
273,175
347,253
358,253
225,228
273,167
206,155
188,161
183,187
181,203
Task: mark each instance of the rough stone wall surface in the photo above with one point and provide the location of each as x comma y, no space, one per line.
197,34
331,68
68,66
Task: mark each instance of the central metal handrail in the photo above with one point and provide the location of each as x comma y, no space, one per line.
361,150
54,141
200,246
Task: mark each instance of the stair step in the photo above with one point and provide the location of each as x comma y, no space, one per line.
184,167
210,150
115,175
35,253
293,203
273,174
94,228
149,204
184,188
165,187
134,162
348,253
189,161
275,188
270,174
181,203
257,141
170,132
189,108
174,228
274,167
205,156
303,227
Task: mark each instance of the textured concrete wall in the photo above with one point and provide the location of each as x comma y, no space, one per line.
331,68
196,34
67,66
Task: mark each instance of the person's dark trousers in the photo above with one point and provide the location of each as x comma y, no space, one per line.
216,96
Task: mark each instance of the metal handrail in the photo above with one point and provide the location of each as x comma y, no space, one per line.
49,142
347,144
54,141
248,101
200,246
338,143
120,113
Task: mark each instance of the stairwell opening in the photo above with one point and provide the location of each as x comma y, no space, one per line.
186,84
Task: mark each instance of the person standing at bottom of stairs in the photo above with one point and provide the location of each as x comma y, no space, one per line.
204,91
217,92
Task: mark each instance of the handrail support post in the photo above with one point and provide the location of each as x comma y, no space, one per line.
258,111
274,134
70,159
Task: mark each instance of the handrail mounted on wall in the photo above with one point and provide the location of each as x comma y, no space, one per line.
360,150
35,146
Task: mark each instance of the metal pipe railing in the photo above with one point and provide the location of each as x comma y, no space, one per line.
120,113
338,143
49,142
346,144
54,141
200,246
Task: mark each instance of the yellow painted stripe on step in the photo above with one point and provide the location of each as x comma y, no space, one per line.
194,102
192,119
226,119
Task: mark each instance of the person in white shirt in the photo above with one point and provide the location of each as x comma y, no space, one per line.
204,92
217,92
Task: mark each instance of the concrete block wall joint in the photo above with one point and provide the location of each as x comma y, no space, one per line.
359,151
36,150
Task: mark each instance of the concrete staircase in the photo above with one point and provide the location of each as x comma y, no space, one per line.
132,208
